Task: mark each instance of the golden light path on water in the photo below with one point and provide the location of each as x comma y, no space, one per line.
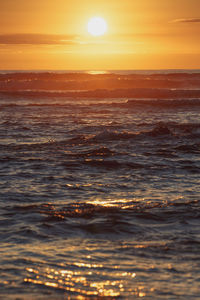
86,277
90,279
87,272
69,281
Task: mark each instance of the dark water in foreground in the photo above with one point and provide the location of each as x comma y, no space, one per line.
100,197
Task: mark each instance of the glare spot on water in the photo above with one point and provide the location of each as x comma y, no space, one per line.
88,265
119,203
141,294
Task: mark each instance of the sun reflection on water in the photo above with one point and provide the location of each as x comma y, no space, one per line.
81,282
119,203
94,273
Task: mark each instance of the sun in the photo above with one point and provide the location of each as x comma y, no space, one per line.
97,26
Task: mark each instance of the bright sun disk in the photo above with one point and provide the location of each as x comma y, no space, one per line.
97,26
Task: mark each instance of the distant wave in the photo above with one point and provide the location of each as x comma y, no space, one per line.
165,103
95,103
88,81
104,93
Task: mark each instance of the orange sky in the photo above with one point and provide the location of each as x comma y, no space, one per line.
142,34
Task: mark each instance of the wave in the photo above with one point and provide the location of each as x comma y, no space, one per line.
159,129
86,84
140,93
70,76
108,217
165,103
170,130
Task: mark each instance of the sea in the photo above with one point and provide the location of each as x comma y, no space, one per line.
100,184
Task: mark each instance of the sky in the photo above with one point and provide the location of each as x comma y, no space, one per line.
142,34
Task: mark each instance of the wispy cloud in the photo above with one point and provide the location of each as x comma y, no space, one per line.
192,20
38,39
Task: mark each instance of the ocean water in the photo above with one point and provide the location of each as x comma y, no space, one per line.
100,185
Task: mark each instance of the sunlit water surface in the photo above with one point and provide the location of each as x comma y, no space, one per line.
99,198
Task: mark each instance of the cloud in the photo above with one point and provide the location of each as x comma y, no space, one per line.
192,20
37,39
